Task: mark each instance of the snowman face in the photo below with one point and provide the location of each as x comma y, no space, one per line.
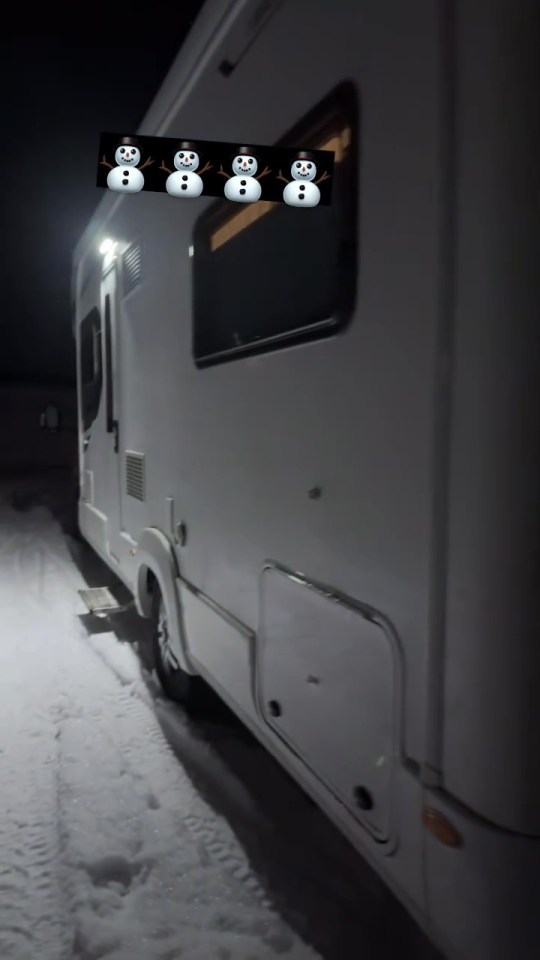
303,170
127,156
186,160
243,166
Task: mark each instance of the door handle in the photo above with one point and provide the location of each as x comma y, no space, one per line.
115,435
85,443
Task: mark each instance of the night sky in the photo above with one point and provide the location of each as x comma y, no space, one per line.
60,88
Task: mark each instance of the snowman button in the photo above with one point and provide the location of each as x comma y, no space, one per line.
243,183
125,183
184,186
302,187
301,196
184,178
126,173
242,191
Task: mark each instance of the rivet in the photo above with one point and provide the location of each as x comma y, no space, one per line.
363,798
226,68
181,533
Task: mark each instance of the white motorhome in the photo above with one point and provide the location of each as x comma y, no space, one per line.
306,437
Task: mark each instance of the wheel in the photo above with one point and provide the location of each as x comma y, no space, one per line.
176,683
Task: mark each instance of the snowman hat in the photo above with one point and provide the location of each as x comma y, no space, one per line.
244,152
187,145
304,155
128,142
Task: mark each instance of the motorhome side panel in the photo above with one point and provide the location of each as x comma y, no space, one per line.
491,745
239,446
243,471
491,667
235,451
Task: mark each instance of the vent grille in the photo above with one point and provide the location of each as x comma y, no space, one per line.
135,475
131,262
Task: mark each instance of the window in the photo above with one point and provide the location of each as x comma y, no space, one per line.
268,275
90,366
108,365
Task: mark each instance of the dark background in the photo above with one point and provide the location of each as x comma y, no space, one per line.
163,149
61,86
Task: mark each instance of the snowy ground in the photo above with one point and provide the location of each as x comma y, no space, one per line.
128,832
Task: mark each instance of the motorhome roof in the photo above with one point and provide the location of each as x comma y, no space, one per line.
208,28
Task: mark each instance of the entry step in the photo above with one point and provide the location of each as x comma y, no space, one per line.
100,600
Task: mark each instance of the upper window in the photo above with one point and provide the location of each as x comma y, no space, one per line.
268,275
90,366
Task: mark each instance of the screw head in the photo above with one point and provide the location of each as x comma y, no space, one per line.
363,798
226,68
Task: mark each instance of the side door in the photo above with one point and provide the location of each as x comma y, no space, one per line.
89,396
111,465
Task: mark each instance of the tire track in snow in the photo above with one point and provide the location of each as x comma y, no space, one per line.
123,749
33,904
33,920
211,832
99,726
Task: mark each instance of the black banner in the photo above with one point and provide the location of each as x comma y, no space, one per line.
242,173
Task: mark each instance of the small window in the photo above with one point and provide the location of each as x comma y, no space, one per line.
90,366
108,366
268,275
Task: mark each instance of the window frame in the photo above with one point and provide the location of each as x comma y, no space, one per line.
109,386
90,333
337,112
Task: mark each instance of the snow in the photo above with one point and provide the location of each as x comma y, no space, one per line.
109,844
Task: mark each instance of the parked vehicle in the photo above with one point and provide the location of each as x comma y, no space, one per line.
306,437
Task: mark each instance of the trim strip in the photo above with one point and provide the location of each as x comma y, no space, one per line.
217,608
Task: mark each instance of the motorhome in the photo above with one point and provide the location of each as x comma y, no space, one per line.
306,436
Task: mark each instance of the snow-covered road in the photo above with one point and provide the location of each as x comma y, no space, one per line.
112,842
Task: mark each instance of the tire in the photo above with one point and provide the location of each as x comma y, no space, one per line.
175,682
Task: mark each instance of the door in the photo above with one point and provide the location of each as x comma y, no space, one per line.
110,466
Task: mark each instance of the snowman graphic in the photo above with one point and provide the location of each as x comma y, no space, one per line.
126,177
301,191
184,181
243,185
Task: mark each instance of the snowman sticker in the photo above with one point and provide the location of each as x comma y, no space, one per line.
301,191
243,185
126,177
184,181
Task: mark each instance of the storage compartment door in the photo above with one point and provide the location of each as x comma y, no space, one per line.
328,684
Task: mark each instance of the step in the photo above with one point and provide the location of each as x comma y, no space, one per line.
99,600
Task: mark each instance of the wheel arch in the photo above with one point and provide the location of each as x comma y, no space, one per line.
156,567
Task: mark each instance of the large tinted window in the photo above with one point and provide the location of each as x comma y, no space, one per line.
268,275
91,374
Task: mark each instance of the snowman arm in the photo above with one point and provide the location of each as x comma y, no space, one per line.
281,177
265,173
146,163
207,166
325,176
222,172
104,163
163,167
